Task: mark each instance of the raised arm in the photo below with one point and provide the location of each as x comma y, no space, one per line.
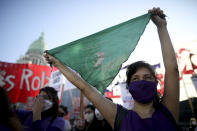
105,106
171,81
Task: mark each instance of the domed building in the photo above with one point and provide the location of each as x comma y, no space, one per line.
34,54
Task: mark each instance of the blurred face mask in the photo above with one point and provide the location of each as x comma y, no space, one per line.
99,116
47,104
89,117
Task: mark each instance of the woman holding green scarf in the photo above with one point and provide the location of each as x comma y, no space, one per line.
148,113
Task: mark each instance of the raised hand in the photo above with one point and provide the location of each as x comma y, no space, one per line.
38,108
50,59
158,17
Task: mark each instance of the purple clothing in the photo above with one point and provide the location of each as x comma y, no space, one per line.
128,120
3,128
44,124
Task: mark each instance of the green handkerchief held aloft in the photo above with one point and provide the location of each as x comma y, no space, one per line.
99,57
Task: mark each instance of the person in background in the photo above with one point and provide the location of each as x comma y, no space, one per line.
8,119
105,125
92,123
89,123
193,124
146,115
62,112
78,124
44,113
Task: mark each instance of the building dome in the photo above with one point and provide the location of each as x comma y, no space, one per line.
34,54
38,46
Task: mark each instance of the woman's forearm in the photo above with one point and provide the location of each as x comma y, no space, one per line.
72,77
36,116
106,107
169,57
171,91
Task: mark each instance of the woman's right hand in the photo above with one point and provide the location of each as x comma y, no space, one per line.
38,107
50,59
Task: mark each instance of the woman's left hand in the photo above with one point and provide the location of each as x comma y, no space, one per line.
158,17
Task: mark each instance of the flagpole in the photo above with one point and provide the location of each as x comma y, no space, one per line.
189,99
81,104
71,97
62,90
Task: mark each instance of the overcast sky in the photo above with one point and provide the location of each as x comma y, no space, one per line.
62,21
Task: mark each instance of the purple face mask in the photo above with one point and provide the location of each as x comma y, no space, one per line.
143,91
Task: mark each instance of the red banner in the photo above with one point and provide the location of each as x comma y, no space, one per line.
23,80
187,61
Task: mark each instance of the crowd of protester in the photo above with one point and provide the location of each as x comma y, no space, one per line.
47,114
51,116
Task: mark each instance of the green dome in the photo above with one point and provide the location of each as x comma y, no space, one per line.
38,46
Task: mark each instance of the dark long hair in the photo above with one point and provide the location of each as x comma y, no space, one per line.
52,94
132,69
8,118
64,108
92,108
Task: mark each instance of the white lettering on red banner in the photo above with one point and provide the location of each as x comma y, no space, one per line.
23,80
